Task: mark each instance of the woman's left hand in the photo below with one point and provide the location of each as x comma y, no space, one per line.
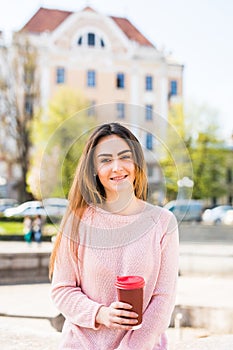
117,316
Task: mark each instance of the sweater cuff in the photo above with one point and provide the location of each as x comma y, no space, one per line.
96,325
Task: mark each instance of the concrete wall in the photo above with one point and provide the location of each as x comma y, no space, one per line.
24,267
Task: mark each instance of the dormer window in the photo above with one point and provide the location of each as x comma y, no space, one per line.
91,39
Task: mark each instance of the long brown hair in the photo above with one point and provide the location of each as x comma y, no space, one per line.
86,187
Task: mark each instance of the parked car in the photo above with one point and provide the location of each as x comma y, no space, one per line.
227,219
215,215
7,203
186,210
55,206
30,208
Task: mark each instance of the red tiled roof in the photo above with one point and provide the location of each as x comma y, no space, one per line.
48,20
45,20
131,31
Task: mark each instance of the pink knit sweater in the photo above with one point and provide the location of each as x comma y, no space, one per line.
144,244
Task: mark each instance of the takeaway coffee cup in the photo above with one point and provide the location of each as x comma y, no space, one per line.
130,291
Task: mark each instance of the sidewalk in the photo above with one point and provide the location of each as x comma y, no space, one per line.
33,300
27,312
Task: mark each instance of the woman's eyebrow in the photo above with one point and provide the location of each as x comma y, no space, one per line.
125,151
104,155
110,155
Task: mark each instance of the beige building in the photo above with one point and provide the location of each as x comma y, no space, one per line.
120,72
106,57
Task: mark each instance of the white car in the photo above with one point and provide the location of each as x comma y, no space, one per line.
30,208
228,217
55,206
215,215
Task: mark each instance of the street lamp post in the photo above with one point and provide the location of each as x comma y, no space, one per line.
185,186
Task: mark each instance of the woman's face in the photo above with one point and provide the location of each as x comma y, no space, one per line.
114,165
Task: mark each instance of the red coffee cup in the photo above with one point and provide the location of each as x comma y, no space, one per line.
130,291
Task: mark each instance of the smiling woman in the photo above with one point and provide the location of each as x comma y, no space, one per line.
115,169
109,230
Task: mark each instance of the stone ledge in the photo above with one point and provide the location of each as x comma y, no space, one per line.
224,342
24,267
217,320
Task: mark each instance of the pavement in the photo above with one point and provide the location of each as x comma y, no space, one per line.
27,312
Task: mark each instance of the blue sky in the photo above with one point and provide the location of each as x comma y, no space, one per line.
198,33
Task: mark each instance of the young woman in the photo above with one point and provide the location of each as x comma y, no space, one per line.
110,230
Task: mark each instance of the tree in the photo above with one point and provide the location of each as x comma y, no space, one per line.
19,96
60,135
209,162
176,162
204,147
207,153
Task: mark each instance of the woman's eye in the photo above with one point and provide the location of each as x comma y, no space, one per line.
105,160
125,157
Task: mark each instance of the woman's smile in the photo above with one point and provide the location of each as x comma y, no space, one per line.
114,165
118,178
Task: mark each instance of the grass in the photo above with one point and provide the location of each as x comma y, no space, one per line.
16,228
11,228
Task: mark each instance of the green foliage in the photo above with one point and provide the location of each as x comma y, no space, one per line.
19,99
60,135
205,148
11,227
176,162
209,162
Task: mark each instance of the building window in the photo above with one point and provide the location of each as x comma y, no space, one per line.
150,169
120,81
60,79
149,141
120,110
149,112
173,88
91,39
29,105
149,83
91,79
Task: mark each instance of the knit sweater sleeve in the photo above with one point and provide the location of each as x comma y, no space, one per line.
66,291
157,315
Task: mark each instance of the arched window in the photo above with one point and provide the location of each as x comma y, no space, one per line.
91,39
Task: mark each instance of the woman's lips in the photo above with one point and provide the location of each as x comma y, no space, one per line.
118,178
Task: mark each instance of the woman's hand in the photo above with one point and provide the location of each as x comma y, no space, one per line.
117,316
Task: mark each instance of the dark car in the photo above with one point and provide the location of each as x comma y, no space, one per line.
7,203
186,210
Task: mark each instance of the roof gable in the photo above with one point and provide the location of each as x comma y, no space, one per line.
131,31
47,20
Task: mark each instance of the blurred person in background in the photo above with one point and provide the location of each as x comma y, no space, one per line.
37,229
27,229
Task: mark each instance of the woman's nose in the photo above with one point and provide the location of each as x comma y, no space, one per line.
116,165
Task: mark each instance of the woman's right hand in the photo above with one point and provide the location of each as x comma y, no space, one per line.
117,316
